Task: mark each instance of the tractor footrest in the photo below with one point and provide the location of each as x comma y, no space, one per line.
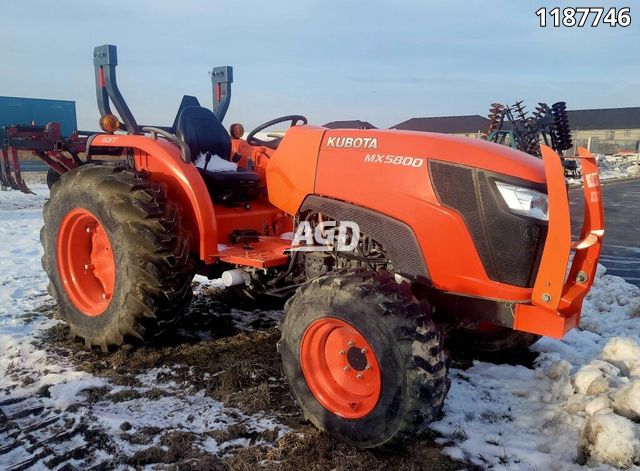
268,252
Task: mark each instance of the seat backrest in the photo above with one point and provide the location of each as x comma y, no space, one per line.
187,100
199,128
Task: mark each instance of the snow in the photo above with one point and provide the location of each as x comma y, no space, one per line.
614,167
626,401
205,282
216,164
578,404
26,369
624,353
609,438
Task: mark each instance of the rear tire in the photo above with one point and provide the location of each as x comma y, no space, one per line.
151,254
403,386
52,178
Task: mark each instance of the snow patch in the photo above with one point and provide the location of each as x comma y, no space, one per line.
46,388
614,167
215,164
625,354
609,439
626,401
577,405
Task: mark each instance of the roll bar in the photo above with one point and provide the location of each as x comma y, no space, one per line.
221,80
105,60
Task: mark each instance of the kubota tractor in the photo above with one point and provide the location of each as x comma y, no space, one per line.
444,234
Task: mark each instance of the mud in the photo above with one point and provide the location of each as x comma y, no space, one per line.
230,355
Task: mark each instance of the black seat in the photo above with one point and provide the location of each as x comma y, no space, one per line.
201,130
241,175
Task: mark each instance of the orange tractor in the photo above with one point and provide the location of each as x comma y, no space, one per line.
401,240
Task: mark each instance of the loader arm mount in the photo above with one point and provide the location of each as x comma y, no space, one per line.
556,301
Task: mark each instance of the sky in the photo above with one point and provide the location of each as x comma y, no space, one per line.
383,62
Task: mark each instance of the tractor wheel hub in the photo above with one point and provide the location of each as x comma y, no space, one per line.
357,360
340,368
86,262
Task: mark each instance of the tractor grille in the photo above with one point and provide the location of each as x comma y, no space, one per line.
509,245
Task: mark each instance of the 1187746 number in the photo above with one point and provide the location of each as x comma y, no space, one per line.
584,16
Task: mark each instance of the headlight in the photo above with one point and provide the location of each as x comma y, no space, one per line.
525,201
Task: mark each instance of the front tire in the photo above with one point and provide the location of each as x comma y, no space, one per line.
363,358
116,255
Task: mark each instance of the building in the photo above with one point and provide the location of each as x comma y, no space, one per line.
604,131
352,124
15,110
607,130
470,126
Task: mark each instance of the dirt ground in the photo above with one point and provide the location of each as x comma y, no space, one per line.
209,352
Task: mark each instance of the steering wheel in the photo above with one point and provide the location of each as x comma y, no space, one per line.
273,143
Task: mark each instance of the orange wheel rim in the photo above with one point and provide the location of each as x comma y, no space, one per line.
85,262
340,368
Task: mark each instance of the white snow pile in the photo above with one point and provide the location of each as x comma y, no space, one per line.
215,164
614,167
580,405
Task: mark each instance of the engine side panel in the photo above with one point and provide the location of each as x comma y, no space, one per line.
399,239
388,172
291,171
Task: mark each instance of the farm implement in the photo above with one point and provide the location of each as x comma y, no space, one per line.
60,154
514,127
388,246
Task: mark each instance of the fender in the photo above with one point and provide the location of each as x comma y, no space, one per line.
164,163
395,236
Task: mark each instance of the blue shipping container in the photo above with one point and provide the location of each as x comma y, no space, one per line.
38,111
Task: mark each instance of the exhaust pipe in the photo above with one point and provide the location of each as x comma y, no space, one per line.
233,277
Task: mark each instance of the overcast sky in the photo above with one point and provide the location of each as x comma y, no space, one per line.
329,60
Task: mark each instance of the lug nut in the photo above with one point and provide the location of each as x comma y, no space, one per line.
350,343
346,368
368,367
104,296
363,351
342,352
359,376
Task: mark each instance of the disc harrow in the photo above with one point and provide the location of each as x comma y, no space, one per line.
514,126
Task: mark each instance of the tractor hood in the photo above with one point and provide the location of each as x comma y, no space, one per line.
432,146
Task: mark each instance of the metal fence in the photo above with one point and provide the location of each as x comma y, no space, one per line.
608,146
